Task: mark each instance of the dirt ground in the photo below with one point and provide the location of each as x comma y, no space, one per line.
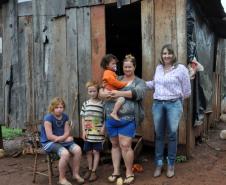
207,166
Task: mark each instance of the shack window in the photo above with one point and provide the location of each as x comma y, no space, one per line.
123,32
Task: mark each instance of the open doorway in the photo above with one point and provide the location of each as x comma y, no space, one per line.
123,33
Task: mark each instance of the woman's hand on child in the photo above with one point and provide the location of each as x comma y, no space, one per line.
114,94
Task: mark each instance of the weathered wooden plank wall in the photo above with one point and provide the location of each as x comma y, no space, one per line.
163,22
62,45
148,62
40,61
54,8
58,67
71,42
2,85
25,57
82,3
49,53
165,25
72,60
25,9
10,58
84,51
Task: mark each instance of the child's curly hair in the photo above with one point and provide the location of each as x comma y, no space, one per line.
130,58
107,59
55,102
92,83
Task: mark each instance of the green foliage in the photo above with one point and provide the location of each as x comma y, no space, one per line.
11,133
181,159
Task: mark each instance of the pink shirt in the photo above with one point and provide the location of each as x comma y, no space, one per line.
171,85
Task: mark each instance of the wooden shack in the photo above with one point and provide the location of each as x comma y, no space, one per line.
52,47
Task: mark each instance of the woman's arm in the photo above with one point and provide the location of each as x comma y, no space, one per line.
185,83
139,90
150,84
116,94
137,93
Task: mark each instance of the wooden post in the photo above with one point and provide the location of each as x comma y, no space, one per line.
1,139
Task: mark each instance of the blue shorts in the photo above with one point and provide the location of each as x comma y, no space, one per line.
88,146
122,127
59,147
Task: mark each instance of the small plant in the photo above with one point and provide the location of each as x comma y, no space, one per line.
11,133
181,159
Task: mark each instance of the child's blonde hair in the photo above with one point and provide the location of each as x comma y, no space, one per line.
54,103
92,83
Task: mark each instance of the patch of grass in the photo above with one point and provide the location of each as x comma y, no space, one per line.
181,159
11,133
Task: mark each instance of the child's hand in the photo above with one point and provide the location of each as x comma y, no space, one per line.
102,130
84,135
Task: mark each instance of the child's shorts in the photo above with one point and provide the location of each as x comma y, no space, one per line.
88,146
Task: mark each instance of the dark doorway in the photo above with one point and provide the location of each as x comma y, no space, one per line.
123,33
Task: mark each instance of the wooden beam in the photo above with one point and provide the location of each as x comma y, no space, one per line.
148,62
182,58
98,37
72,60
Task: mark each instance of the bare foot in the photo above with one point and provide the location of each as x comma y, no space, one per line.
115,116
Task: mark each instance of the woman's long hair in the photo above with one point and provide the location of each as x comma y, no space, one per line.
169,47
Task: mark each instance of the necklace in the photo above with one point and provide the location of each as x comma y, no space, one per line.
59,123
167,69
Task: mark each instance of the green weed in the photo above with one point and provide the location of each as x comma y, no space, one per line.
181,159
11,133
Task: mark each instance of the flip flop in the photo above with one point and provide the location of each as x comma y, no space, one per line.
113,178
64,182
129,180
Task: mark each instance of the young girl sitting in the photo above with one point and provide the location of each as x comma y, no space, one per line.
55,137
110,82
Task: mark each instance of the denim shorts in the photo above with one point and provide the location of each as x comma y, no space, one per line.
88,146
59,147
122,127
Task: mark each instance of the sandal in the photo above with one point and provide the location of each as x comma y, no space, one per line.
79,180
87,174
64,182
129,180
93,176
113,178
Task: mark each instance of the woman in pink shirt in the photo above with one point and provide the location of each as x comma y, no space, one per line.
171,85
